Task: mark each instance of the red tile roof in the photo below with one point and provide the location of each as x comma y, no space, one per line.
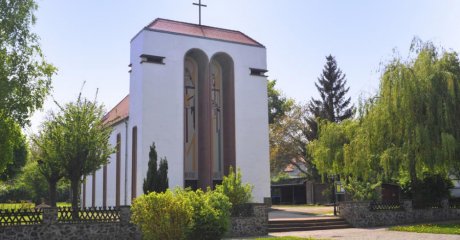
118,113
165,25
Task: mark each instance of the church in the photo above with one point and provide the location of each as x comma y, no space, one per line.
200,94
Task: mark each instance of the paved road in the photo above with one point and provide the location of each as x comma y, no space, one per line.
368,234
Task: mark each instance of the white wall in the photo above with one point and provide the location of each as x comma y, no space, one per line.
158,111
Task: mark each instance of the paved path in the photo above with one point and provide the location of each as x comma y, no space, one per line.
368,234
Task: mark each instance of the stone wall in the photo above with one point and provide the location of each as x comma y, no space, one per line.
359,214
50,229
249,220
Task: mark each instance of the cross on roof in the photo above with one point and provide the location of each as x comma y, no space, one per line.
199,9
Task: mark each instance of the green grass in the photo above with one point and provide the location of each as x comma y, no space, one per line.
452,228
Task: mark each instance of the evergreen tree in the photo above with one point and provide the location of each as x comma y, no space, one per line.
157,177
333,105
163,176
150,179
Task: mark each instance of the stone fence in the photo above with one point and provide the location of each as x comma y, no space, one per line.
111,224
369,214
52,227
249,220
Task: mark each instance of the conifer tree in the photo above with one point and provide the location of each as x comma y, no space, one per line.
333,105
150,179
157,178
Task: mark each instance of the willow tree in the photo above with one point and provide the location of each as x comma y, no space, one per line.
411,127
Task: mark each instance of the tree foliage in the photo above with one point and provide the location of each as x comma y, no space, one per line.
288,141
85,143
11,140
157,176
333,105
47,152
233,187
278,105
410,128
25,76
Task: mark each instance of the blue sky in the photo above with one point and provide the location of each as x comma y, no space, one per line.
88,40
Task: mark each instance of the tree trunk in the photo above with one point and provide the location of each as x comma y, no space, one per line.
75,186
413,177
52,192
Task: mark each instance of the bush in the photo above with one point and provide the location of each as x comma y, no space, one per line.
362,191
182,214
162,215
433,187
232,187
211,214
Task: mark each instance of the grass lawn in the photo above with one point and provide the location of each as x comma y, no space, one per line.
27,205
448,228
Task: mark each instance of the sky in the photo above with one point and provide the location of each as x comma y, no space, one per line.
88,41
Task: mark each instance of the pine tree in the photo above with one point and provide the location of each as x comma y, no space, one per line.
333,105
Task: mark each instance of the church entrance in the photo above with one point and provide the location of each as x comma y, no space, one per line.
209,118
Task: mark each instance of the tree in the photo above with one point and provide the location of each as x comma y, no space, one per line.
156,179
86,147
409,129
278,105
47,152
25,76
288,141
333,105
19,160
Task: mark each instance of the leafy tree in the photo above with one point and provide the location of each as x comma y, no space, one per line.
410,128
10,138
19,159
25,76
288,141
278,105
85,146
47,152
156,179
333,105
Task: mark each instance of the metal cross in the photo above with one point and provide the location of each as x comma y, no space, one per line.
199,9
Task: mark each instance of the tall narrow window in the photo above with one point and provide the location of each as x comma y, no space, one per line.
93,191
134,164
217,110
118,171
191,114
104,186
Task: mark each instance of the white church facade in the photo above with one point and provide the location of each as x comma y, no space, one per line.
200,94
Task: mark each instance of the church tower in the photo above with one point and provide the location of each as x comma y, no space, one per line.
200,94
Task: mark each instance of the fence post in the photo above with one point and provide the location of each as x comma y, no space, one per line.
50,215
125,214
445,203
407,204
